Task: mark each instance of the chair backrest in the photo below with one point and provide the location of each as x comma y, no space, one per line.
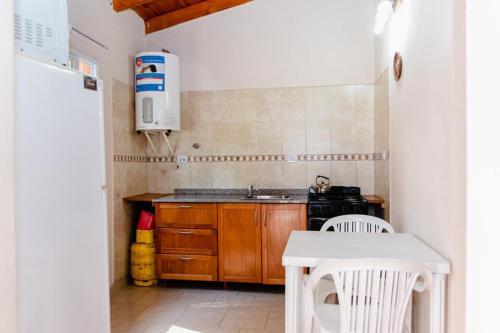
357,223
373,293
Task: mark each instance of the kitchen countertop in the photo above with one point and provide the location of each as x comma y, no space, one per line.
374,200
145,197
231,196
228,196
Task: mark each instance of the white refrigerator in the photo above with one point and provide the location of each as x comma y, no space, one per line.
62,242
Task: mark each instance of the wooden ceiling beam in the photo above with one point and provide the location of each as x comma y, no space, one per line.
192,12
121,5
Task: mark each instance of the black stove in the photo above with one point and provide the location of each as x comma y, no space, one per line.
340,200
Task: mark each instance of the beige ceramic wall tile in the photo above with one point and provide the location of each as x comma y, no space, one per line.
365,174
203,105
318,137
294,101
270,175
269,138
125,139
202,135
153,184
224,175
234,138
381,129
244,105
269,105
294,137
318,104
246,174
270,121
160,176
344,173
343,137
317,168
202,175
179,175
364,102
179,140
343,104
295,175
364,136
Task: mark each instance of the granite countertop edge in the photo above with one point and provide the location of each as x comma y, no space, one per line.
231,196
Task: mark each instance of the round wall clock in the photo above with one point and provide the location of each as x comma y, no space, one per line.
397,66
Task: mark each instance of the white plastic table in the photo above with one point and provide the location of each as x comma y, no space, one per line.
313,248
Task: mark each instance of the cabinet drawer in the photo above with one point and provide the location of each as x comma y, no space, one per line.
186,267
203,216
186,241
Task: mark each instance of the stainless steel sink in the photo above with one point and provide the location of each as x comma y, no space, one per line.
268,197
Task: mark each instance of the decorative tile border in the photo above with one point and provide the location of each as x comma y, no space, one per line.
249,158
131,159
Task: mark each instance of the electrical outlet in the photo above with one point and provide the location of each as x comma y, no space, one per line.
181,159
292,158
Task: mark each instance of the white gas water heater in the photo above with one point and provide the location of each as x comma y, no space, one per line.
157,100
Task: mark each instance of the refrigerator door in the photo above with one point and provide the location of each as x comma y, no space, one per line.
62,242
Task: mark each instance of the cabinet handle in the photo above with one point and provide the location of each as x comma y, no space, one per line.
265,222
184,206
185,232
255,216
185,259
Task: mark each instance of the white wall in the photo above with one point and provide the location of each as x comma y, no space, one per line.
8,311
428,139
123,35
382,49
483,174
275,43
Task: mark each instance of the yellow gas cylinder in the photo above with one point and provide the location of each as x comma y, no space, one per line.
142,259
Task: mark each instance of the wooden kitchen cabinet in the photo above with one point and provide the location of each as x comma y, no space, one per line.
186,215
186,267
239,243
278,221
186,241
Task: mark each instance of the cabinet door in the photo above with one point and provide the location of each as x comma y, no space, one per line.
239,243
278,221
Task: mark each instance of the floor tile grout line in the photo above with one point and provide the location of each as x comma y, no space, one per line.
223,317
267,319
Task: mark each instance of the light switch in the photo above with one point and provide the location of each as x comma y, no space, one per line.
292,158
181,159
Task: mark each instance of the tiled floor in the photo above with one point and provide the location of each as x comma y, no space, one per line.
205,309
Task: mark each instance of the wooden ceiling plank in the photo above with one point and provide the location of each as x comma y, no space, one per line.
121,5
190,13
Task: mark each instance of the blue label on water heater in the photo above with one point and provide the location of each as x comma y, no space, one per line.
150,73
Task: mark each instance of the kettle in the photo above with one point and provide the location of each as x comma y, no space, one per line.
322,184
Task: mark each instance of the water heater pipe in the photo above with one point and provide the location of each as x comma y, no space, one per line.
168,143
151,142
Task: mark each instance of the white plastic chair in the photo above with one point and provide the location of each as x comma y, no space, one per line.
373,296
349,223
357,223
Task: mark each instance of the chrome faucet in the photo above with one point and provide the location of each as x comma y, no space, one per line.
251,189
